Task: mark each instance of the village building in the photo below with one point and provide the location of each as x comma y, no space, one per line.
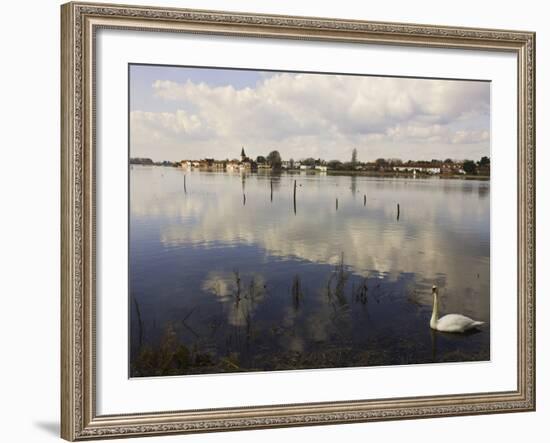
246,163
189,164
418,169
219,165
233,165
452,168
206,163
285,164
211,164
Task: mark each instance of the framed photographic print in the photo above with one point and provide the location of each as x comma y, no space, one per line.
282,221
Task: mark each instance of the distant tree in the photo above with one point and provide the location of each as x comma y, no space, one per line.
354,157
141,161
335,164
310,161
291,163
448,160
469,167
260,159
485,161
274,159
381,163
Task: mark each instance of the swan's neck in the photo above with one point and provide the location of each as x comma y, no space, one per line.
435,313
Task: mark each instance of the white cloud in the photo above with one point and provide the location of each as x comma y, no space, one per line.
436,134
312,115
178,122
470,136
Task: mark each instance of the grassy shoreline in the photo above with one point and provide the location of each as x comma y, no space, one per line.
408,175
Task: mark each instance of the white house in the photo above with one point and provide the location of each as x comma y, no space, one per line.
415,169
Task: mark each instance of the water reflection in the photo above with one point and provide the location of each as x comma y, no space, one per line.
293,271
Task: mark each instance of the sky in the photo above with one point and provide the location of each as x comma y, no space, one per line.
179,113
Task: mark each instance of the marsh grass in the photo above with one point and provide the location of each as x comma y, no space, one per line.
296,291
361,292
337,282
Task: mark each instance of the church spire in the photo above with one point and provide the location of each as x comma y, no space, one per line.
243,155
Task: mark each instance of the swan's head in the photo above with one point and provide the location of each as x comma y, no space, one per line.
434,290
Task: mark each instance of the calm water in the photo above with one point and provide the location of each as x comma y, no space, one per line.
226,275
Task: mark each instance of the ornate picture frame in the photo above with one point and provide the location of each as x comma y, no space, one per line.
80,22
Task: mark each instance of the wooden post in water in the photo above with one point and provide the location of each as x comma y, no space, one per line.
244,199
294,197
271,183
365,200
184,184
398,211
337,203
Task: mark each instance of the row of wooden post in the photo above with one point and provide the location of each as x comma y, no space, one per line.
294,199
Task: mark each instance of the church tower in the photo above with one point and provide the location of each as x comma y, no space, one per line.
243,155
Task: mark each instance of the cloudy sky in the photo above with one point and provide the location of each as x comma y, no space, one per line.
190,113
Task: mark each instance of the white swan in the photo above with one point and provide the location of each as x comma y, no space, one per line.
450,322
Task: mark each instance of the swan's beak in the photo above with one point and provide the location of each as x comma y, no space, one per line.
434,289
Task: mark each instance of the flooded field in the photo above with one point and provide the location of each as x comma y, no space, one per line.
230,273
